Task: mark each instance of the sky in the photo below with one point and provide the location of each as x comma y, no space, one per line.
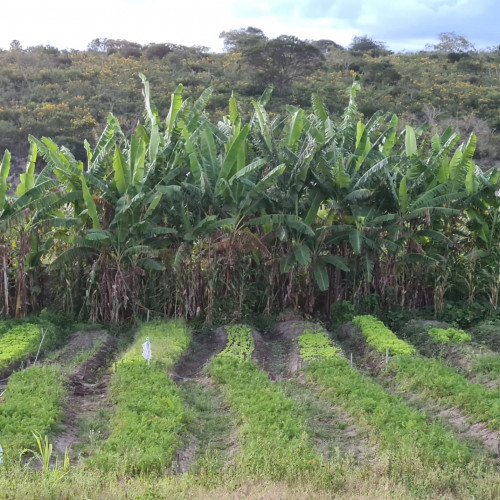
404,25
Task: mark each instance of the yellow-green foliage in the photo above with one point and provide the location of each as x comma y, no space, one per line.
20,339
316,345
18,342
380,337
449,336
240,343
149,416
32,402
168,341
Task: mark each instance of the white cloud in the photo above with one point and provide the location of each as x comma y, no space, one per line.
400,23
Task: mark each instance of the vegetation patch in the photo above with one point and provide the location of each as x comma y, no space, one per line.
240,343
32,402
436,380
150,417
316,345
436,454
21,340
489,365
380,337
449,336
488,333
274,440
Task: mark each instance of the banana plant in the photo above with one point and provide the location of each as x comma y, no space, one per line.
4,173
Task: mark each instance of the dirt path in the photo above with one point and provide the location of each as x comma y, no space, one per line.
88,384
210,426
279,354
204,346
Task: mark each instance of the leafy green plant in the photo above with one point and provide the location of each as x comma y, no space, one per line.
44,452
150,417
21,339
314,344
240,343
380,337
449,336
33,402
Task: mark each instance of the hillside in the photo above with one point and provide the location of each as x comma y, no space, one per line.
68,95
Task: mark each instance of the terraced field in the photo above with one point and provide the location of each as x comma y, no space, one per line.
295,412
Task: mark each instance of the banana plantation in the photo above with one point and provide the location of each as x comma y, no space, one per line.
195,219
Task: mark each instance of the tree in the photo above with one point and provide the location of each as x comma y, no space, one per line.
15,45
450,42
326,46
111,46
367,45
281,60
242,39
158,50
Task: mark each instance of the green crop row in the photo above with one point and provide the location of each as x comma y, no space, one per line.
33,402
19,339
240,343
314,344
274,441
434,380
449,336
380,337
149,417
425,455
19,342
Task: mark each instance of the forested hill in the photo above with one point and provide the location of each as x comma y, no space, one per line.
67,95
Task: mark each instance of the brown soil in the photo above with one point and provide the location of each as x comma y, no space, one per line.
88,383
353,342
204,347
80,407
80,342
279,355
459,422
9,370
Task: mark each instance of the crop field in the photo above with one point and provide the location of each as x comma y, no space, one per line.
293,412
